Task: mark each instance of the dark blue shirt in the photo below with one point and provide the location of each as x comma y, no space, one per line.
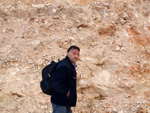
64,80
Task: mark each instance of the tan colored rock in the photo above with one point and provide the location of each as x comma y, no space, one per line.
83,2
113,69
107,31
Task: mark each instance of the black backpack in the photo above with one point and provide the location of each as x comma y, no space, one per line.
47,73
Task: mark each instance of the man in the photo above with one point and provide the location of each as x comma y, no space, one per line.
64,83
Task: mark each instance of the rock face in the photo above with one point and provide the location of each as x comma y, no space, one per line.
114,66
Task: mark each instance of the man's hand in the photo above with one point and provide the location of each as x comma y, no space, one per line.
68,93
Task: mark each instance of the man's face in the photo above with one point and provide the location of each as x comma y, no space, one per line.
73,55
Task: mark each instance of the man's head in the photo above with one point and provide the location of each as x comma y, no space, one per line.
73,53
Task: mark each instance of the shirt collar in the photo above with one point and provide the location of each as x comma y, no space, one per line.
74,64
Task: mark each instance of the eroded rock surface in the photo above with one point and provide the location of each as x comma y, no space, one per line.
114,66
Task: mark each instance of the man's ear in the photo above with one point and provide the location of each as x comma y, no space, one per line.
67,53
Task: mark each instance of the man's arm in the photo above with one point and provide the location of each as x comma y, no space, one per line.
59,80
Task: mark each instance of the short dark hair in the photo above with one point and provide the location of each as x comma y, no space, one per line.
73,47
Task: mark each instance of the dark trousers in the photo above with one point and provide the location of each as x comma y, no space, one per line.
61,109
